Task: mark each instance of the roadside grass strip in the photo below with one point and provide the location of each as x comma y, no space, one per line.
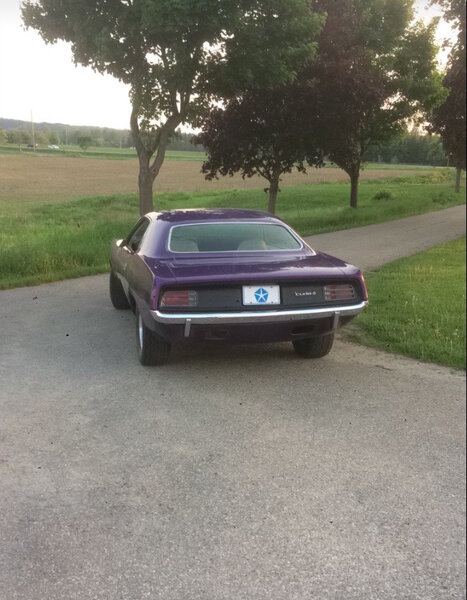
42,242
417,307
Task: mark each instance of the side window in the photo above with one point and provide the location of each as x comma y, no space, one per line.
136,236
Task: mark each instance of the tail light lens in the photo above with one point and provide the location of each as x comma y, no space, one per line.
339,291
179,298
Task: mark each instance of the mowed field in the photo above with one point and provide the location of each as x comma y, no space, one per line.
57,178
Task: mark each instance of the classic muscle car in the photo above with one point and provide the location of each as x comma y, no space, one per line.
231,275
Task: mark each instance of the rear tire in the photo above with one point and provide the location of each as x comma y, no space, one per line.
152,349
117,295
316,347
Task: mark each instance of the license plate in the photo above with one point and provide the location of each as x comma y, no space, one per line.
261,295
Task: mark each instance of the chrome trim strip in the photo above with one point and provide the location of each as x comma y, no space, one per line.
263,316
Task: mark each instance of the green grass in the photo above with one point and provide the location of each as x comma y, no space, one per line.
130,153
47,242
417,306
398,167
96,152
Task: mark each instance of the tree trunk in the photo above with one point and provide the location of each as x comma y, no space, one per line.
145,177
147,172
273,191
145,183
354,177
458,179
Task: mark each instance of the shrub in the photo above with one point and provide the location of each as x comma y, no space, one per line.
442,198
383,195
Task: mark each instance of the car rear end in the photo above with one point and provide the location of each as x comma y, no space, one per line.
257,311
250,280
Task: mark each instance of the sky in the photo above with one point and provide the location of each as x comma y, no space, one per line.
41,81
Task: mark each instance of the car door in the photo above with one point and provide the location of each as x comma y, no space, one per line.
126,252
137,274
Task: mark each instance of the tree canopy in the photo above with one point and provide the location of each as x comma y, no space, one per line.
263,133
449,119
373,72
84,141
410,148
177,54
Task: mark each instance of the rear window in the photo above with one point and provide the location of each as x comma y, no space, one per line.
231,237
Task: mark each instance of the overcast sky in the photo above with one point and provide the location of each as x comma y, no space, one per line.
42,79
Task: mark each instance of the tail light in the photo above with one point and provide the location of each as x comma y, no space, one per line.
339,291
179,299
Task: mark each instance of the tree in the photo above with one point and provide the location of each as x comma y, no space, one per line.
177,55
53,138
373,72
263,133
2,137
449,119
18,136
41,138
11,136
410,148
84,141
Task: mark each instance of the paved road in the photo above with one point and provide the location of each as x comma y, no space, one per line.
241,473
371,246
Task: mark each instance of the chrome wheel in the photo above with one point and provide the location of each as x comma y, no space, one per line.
152,349
140,331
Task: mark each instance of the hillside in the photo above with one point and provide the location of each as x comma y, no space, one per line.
19,132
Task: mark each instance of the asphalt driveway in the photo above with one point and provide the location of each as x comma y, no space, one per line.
242,473
374,245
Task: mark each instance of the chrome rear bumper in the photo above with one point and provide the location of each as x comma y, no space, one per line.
263,316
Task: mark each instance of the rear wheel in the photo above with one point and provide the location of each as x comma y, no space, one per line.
117,295
314,347
152,349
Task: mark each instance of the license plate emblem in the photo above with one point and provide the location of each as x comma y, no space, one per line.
261,295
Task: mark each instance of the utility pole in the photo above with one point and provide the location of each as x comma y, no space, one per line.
33,133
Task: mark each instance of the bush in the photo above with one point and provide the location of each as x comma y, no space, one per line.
441,198
383,195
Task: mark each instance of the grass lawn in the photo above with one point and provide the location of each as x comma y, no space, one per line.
130,153
417,306
47,242
98,152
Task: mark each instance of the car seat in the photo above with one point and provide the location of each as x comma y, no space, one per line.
182,245
252,244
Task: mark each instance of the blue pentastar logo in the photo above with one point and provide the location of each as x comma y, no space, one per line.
261,295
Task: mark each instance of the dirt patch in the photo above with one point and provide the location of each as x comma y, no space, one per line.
56,178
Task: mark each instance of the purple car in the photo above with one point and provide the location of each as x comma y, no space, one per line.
230,275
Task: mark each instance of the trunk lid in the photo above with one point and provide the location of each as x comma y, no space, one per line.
254,268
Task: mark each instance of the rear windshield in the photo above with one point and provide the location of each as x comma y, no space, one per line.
231,237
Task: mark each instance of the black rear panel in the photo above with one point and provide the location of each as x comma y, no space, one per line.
302,295
293,295
224,297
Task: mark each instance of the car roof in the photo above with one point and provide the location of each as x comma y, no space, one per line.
198,215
